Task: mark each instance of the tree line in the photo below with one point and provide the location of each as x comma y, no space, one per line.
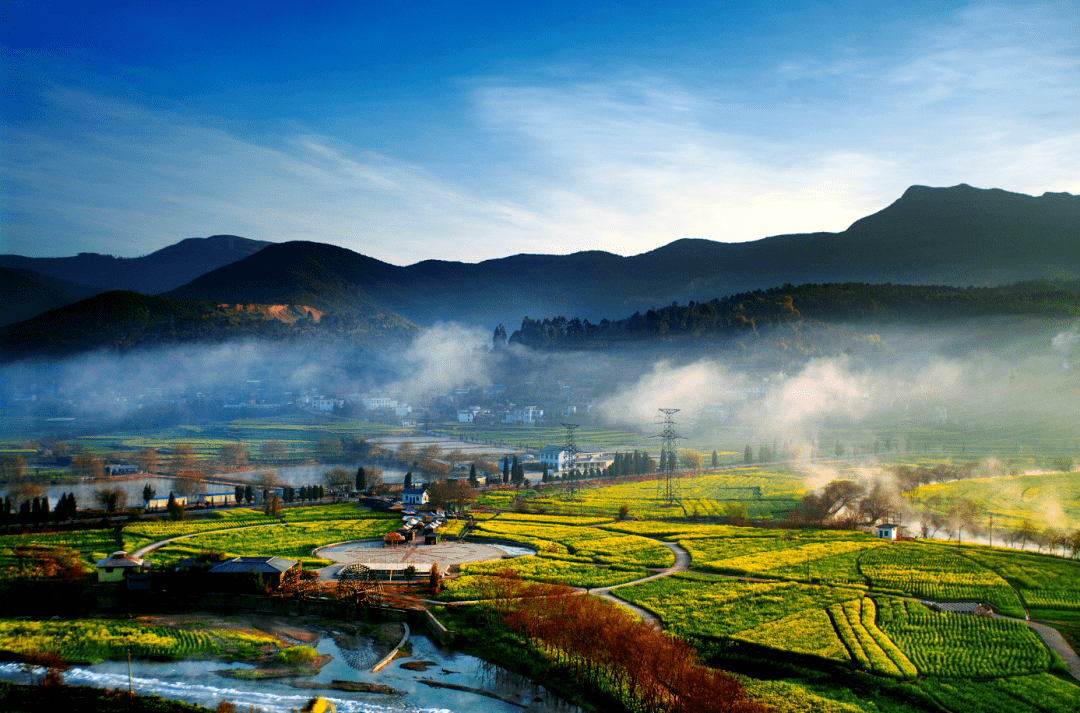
809,303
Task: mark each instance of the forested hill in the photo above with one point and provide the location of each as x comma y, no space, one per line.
119,321
805,306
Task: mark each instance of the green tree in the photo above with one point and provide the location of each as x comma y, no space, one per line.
692,459
148,493
735,513
748,455
715,459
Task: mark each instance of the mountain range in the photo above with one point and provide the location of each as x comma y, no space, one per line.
955,236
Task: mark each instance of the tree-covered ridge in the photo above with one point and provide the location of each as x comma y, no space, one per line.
122,320
809,305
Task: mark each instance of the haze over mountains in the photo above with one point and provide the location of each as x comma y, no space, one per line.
956,236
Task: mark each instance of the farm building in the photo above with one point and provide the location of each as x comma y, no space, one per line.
118,566
162,503
121,469
239,572
213,499
888,531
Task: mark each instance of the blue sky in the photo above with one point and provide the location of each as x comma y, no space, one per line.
467,131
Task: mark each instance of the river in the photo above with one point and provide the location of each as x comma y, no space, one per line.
194,682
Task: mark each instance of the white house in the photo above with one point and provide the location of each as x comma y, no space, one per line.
468,415
373,403
527,415
887,531
556,457
415,496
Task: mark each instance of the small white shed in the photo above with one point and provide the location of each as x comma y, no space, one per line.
888,531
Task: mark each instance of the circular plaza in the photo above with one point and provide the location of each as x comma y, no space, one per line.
390,561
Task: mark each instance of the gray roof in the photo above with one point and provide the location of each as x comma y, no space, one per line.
240,565
120,559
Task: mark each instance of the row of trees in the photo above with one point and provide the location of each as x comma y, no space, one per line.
35,510
795,306
646,669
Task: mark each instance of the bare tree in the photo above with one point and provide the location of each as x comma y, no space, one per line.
190,483
183,458
272,452
12,466
452,494
86,465
147,460
876,505
233,456
338,479
111,499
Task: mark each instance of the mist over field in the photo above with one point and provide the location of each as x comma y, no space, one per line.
973,375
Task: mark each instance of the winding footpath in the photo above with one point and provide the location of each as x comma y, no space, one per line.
682,564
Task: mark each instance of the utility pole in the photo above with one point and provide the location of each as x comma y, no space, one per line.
991,529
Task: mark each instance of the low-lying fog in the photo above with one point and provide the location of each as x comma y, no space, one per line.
1001,383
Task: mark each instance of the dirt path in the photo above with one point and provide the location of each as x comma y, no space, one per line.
145,549
682,564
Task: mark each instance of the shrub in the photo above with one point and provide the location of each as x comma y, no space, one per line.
296,655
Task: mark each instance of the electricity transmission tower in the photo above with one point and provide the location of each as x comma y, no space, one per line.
570,446
666,485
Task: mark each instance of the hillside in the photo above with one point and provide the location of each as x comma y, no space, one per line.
121,320
25,294
955,236
151,274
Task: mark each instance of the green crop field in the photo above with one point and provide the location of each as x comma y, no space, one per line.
295,540
951,645
581,544
1045,500
934,572
538,569
767,493
100,639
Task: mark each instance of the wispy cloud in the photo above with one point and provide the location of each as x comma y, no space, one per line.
624,163
136,176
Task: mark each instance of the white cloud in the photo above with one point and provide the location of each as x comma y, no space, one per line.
988,96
